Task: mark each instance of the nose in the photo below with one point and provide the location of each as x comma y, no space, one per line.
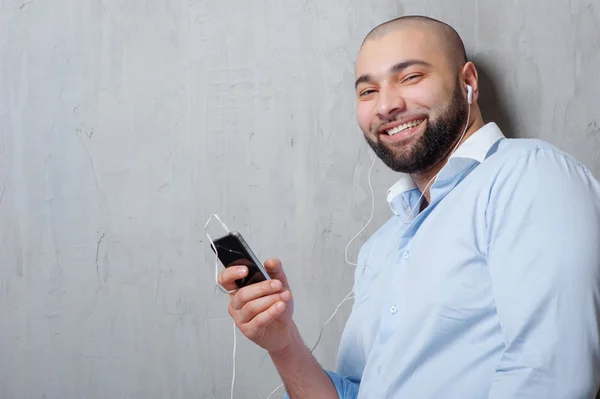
389,103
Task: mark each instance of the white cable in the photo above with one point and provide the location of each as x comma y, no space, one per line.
346,298
275,390
234,348
370,217
221,287
436,175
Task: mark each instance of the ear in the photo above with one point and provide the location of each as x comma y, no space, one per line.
471,78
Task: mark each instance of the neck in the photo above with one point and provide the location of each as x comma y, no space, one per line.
423,179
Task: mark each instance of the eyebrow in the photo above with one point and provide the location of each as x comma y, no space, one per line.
399,67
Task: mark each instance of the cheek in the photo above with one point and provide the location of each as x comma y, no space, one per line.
426,96
439,100
364,114
420,99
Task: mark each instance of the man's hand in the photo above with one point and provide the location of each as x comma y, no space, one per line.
262,311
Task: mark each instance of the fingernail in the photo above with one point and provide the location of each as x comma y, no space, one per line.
275,284
285,295
279,306
241,270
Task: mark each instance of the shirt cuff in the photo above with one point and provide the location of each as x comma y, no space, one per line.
346,389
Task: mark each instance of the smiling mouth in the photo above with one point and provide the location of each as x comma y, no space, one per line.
404,126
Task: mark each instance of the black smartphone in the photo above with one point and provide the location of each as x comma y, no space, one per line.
232,250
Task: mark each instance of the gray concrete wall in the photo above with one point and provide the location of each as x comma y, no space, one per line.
124,124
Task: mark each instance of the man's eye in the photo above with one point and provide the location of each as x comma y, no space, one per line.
367,92
412,77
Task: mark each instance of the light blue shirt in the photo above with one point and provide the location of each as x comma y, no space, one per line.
492,291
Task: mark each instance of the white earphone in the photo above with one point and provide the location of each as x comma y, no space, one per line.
469,94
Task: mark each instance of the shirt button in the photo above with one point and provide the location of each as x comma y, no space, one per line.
405,255
393,309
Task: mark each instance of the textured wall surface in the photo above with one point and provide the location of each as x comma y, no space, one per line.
125,124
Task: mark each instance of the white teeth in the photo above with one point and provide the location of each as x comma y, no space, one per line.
404,126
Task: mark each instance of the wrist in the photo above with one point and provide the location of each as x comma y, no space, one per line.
295,346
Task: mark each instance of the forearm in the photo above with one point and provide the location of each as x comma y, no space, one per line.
301,373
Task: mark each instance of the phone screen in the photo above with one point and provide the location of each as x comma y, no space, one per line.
232,252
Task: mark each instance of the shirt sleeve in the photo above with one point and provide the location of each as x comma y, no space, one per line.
543,221
346,388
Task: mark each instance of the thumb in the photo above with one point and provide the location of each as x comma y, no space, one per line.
275,270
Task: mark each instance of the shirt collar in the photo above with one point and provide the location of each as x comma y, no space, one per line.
476,147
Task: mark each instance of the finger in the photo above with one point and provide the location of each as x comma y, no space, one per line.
255,328
275,270
253,308
228,276
254,291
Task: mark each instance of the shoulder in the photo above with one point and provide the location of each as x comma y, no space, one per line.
537,162
519,150
533,180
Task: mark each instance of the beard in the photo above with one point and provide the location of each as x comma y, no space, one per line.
433,145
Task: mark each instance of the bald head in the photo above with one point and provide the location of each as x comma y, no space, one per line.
411,84
448,38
